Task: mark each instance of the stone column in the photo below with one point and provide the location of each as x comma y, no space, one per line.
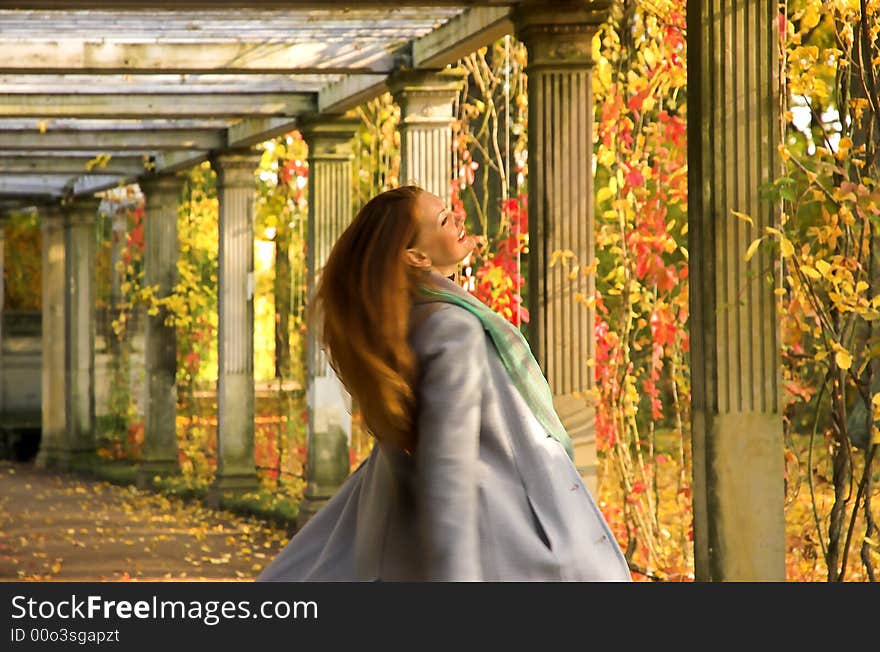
236,470
159,455
425,99
53,441
733,131
559,38
79,265
3,381
330,212
5,442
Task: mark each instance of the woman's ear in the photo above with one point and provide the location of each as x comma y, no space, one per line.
417,258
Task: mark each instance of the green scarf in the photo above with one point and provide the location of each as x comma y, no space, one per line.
515,354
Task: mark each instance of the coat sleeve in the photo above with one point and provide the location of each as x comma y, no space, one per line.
451,348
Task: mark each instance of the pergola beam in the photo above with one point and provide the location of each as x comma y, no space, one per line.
132,105
34,186
158,5
28,165
252,131
350,91
118,124
76,56
460,36
89,185
163,83
114,140
168,162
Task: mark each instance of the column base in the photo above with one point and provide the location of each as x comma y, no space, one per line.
149,469
230,484
82,460
52,458
65,460
747,498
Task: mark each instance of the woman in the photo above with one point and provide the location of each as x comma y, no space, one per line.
471,477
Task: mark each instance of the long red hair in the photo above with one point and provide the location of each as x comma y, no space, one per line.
363,305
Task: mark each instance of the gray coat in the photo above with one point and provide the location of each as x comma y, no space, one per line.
487,495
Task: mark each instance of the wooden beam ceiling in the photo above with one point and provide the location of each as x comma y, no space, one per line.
113,141
156,84
153,105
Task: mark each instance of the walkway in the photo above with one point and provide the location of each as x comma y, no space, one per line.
56,526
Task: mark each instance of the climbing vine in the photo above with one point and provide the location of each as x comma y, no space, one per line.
641,300
829,193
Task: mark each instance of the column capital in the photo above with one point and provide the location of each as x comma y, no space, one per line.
153,185
82,210
425,96
560,34
329,136
236,167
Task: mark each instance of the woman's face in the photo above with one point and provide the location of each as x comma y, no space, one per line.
441,242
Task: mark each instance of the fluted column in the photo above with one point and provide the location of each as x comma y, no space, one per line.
159,454
330,212
236,186
3,218
739,495
79,265
559,38
53,440
425,99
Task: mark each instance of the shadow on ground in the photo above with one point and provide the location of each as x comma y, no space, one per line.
59,526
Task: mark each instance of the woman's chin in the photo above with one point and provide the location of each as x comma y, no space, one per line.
469,248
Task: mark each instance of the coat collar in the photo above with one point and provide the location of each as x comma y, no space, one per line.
441,282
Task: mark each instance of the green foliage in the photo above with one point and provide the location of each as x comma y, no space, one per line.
641,299
22,268
829,194
376,149
489,185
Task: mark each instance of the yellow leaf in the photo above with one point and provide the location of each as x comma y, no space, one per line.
752,249
779,292
811,272
861,286
786,247
743,216
604,194
843,358
810,18
823,267
771,231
